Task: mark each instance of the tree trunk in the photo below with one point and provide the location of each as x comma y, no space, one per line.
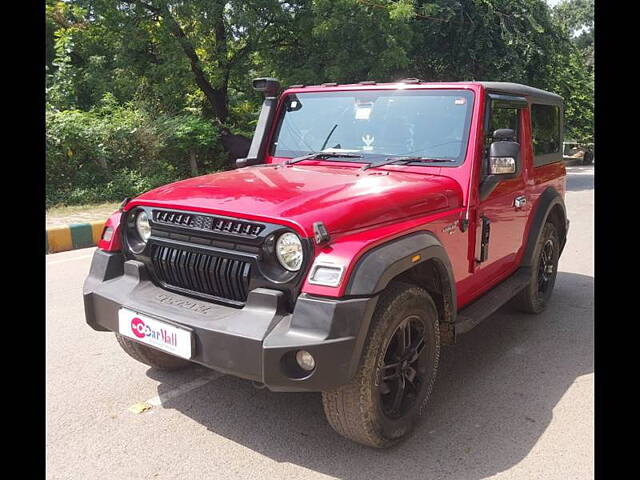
216,96
193,163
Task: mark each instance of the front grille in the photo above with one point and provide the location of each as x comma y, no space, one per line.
202,273
208,223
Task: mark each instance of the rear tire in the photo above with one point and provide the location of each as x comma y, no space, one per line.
588,158
151,356
403,346
535,296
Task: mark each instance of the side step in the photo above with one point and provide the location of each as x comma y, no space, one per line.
489,302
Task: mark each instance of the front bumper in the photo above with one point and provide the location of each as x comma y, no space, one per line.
257,342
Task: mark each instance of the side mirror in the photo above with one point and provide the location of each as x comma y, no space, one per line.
502,165
504,135
503,162
504,159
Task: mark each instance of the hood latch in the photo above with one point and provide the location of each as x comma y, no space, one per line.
320,233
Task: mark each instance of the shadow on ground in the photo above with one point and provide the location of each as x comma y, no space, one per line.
493,399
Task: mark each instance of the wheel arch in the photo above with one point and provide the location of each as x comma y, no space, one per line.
550,206
417,258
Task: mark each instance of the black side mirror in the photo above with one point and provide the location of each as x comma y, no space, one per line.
503,161
504,135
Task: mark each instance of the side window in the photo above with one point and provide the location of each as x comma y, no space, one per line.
547,138
503,115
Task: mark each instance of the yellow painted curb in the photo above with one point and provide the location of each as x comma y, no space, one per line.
96,228
59,239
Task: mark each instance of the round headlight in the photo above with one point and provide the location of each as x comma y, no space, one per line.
289,251
142,226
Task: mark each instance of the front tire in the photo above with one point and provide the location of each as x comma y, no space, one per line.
151,356
384,399
535,296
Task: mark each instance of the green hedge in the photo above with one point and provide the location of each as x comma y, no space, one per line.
112,152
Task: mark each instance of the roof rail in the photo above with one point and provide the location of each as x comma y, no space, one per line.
367,82
329,84
297,86
410,80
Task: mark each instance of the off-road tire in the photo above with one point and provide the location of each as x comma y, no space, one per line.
151,356
354,410
530,299
587,159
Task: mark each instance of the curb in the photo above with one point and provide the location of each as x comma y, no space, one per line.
61,238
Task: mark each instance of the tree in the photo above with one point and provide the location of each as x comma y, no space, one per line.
576,78
576,16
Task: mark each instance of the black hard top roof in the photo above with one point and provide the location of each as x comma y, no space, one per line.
535,94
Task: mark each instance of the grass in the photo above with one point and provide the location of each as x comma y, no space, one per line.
64,210
64,215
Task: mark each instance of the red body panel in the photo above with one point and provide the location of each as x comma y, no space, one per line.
362,210
342,197
114,244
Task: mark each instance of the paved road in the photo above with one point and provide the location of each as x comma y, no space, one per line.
513,399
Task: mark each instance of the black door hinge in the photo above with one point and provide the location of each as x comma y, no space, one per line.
482,243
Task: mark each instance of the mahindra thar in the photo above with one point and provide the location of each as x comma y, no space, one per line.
368,225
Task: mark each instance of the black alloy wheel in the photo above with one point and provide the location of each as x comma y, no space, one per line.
535,296
403,372
546,267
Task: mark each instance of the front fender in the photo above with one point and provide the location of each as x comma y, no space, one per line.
376,268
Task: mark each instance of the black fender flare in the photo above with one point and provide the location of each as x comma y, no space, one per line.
545,204
377,267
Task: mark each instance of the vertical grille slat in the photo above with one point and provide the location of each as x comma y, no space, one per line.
203,273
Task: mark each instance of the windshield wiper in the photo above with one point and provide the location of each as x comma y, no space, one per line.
320,155
390,160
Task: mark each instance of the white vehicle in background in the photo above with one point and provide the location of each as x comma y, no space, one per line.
585,152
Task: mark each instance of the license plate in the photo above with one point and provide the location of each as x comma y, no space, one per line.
161,335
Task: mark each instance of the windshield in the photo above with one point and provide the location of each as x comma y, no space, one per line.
430,124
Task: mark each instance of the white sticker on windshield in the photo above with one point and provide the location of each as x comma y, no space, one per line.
460,101
368,141
363,113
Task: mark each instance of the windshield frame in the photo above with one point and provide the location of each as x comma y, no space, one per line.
369,158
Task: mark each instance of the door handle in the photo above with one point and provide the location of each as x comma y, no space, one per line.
520,201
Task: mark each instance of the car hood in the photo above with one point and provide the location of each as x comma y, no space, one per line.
342,197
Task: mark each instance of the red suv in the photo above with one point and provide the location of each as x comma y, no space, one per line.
368,225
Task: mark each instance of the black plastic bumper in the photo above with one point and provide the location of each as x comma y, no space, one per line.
257,342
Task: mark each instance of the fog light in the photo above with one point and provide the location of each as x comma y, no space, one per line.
305,360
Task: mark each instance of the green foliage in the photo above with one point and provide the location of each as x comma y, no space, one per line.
113,151
576,19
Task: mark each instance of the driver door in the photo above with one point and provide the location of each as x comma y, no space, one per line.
502,215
